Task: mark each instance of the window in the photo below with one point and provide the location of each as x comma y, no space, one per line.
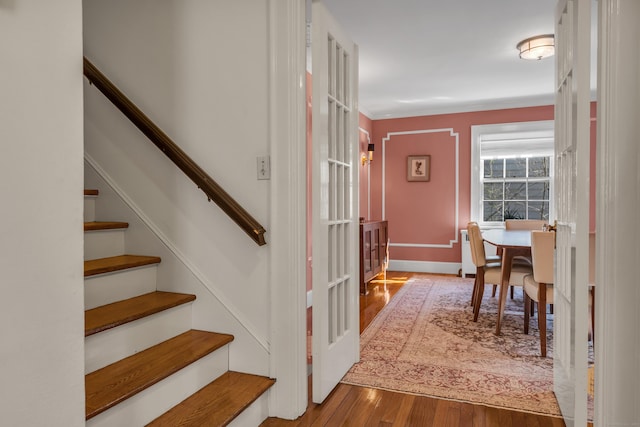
516,188
511,172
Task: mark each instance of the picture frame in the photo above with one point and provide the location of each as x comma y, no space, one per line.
418,167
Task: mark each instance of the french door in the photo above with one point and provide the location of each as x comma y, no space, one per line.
572,143
335,227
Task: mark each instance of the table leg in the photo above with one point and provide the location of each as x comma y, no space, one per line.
507,259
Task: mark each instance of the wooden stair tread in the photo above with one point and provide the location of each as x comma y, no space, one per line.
117,382
116,263
90,192
118,313
218,403
104,225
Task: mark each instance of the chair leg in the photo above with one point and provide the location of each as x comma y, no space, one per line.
493,291
542,317
473,293
479,294
527,312
511,291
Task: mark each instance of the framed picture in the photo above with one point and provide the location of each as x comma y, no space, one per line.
418,168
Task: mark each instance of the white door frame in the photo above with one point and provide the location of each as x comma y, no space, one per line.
287,235
617,389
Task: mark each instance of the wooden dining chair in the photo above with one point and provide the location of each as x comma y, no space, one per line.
524,224
488,272
538,287
489,259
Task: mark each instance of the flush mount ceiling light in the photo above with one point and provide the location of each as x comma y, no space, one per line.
537,47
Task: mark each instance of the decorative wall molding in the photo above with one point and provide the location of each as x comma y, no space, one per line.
456,231
368,176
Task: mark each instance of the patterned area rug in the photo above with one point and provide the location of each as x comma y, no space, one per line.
425,342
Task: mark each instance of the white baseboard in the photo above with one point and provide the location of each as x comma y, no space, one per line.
425,266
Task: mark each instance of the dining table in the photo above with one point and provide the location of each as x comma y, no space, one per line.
510,243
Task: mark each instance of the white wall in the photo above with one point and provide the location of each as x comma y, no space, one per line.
41,310
199,69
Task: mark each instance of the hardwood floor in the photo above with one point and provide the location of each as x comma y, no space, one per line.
359,406
378,295
350,405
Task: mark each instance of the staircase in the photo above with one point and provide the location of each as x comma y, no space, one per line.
144,364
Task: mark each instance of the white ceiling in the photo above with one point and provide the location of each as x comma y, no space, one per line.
422,57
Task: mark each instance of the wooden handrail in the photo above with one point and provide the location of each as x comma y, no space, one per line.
172,151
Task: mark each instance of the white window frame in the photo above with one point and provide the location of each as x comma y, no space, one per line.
521,132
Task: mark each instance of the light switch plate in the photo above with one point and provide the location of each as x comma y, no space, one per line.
264,167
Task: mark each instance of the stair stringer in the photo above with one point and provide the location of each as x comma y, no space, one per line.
211,309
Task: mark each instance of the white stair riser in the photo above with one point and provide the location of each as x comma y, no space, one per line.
109,346
104,289
149,404
103,243
89,208
254,414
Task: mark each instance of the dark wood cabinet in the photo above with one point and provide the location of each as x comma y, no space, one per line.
373,248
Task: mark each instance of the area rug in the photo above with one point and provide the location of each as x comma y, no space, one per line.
424,342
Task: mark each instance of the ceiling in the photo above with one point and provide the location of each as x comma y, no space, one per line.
423,57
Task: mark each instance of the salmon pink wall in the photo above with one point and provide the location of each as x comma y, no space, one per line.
425,218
